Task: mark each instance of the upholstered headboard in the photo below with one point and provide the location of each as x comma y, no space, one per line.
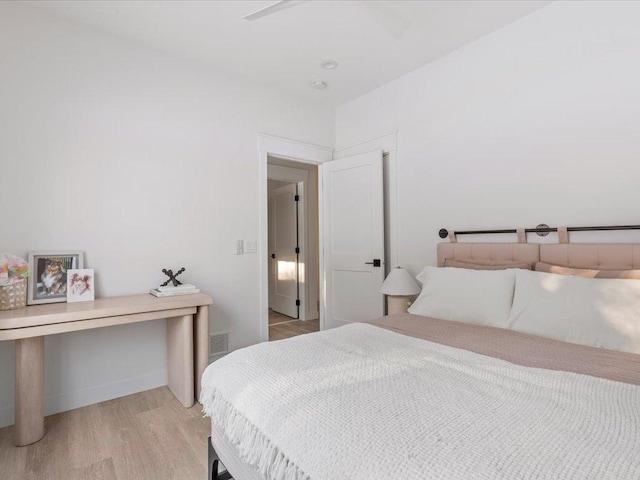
489,252
601,256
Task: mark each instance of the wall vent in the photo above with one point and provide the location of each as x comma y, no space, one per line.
218,343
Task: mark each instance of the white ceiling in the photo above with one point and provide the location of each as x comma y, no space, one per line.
284,50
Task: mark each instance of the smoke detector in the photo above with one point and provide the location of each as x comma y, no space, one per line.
318,84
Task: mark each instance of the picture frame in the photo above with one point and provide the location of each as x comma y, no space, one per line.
48,279
81,285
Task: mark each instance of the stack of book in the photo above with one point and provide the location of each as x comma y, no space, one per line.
170,291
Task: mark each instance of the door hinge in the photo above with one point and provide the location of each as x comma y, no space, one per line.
297,303
296,198
297,249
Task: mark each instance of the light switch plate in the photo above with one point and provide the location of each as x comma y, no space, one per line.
252,246
239,247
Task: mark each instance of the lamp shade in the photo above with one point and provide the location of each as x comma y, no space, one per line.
400,282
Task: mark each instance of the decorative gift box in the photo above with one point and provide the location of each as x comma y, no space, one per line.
13,282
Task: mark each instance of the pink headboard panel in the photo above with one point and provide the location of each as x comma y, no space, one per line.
489,252
599,256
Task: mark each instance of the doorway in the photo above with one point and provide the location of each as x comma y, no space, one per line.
293,263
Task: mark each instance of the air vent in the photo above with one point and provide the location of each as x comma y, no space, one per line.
218,343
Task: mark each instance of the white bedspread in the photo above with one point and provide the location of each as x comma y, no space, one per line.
362,403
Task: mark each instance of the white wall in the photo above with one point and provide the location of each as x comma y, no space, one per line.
142,162
537,122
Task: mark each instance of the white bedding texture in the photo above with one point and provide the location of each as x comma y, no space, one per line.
483,297
360,402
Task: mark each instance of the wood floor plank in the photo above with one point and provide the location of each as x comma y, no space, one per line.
275,317
42,455
196,433
170,441
12,459
146,436
103,470
289,329
86,445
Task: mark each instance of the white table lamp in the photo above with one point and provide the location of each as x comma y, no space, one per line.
399,286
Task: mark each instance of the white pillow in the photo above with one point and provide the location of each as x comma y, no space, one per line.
482,297
598,312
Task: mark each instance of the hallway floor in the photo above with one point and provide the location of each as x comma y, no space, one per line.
281,326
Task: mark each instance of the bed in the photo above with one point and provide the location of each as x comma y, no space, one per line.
414,397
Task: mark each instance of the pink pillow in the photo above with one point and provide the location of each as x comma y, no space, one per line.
484,265
586,273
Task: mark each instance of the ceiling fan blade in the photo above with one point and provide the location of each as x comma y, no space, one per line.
273,8
388,18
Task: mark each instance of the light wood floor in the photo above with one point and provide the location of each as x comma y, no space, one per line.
281,326
275,318
149,435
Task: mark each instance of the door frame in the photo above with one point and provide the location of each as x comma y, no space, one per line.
270,145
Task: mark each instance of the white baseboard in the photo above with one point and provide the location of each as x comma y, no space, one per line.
89,396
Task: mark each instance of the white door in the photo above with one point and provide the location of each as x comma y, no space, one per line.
353,239
283,223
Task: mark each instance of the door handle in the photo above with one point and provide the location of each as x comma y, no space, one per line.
375,263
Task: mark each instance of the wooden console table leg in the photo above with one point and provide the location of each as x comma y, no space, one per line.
29,427
201,330
180,358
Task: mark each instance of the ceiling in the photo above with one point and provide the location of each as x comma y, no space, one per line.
284,50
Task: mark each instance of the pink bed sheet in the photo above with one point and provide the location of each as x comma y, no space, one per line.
519,348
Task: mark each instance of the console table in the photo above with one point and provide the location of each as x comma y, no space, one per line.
187,344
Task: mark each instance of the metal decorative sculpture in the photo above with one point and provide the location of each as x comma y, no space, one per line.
172,277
